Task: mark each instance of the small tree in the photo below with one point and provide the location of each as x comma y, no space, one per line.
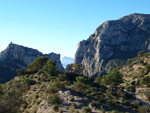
77,68
38,63
143,109
147,68
53,99
131,89
113,78
81,79
146,81
98,79
50,68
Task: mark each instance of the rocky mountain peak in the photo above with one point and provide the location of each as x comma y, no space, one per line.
26,55
113,42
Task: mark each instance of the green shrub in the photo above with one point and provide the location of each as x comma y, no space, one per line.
86,110
21,72
111,103
50,68
79,87
73,105
146,81
143,109
131,88
94,103
38,63
147,67
98,79
102,109
113,78
140,53
77,68
27,82
11,101
34,109
74,111
55,87
62,77
52,89
60,111
24,71
56,107
57,84
81,79
135,103
53,99
114,111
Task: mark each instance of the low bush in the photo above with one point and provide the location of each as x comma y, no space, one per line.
60,111
52,89
79,87
143,109
131,89
56,107
146,81
28,71
86,110
53,99
73,105
94,103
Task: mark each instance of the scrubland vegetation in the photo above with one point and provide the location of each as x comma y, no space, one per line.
40,83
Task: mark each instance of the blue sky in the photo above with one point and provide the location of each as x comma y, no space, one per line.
58,25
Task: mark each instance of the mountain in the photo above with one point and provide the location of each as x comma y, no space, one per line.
17,56
113,42
66,60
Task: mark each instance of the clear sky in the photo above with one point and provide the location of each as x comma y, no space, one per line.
58,25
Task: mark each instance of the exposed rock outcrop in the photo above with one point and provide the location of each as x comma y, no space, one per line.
113,43
27,55
20,56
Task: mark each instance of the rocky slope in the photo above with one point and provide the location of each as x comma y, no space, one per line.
16,56
70,92
113,43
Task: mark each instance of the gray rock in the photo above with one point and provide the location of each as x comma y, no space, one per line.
114,41
26,55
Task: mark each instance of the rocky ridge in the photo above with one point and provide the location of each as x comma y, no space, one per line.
113,43
27,55
17,56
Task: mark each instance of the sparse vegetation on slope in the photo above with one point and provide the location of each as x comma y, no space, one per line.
48,90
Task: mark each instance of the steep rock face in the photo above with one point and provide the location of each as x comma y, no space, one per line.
26,55
16,56
113,43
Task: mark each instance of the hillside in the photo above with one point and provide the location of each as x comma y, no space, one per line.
47,90
113,42
136,74
17,56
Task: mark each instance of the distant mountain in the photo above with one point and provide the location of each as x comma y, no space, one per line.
113,43
66,60
17,56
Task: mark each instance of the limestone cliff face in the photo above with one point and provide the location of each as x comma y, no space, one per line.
113,43
26,55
